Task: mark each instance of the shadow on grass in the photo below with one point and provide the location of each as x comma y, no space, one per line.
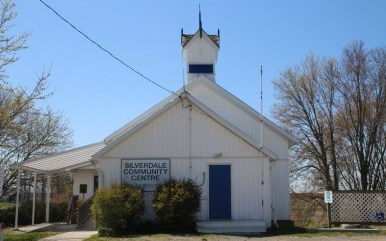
285,231
30,236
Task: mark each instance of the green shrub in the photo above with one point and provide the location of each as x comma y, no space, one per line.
176,203
57,213
117,210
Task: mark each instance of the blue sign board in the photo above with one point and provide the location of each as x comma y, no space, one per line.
380,216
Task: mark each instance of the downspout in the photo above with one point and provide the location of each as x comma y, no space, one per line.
274,218
100,173
262,190
187,104
190,141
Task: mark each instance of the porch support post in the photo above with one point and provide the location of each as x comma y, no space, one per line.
34,200
17,200
48,192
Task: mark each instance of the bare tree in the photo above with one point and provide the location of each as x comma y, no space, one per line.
337,110
362,112
26,130
306,109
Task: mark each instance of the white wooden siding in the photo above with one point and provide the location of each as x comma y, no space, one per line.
168,137
280,189
279,180
84,177
246,194
200,51
241,119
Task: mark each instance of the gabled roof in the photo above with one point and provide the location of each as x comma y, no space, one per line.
130,129
162,106
219,119
185,38
62,160
254,113
82,156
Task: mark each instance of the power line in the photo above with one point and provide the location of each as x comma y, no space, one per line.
105,50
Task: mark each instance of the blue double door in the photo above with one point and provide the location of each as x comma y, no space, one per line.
219,192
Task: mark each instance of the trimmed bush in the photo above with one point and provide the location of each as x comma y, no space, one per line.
117,210
57,213
176,203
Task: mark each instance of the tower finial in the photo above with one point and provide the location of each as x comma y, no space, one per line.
199,19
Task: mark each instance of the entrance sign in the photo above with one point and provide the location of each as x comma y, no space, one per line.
146,173
328,197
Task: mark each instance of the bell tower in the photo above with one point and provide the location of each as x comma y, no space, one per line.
199,52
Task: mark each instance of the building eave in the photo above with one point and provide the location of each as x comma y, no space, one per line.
128,130
60,161
156,110
252,112
220,120
211,114
186,39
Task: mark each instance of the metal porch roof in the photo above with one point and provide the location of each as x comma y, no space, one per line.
62,160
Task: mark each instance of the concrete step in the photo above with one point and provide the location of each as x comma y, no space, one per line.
232,226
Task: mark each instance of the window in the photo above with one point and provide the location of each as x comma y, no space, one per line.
201,68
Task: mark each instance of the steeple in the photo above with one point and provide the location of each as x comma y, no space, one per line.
200,52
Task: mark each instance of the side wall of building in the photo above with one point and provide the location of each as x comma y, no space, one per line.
84,176
272,140
193,141
280,190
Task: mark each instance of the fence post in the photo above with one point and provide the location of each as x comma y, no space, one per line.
329,214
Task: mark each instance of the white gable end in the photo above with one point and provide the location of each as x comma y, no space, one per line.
169,135
200,50
230,110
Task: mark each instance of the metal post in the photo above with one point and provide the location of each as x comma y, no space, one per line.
17,200
34,200
48,192
329,214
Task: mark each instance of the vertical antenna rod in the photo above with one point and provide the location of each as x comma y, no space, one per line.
199,20
261,106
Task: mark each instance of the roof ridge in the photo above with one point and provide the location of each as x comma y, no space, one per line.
186,38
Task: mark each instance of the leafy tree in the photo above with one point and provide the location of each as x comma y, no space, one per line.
337,109
27,130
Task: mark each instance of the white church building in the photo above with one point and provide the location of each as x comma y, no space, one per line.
202,132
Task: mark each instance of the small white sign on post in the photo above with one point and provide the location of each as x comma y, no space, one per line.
327,196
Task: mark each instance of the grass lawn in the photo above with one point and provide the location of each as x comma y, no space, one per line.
6,205
164,237
211,237
32,236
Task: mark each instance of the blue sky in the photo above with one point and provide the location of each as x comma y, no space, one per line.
98,95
